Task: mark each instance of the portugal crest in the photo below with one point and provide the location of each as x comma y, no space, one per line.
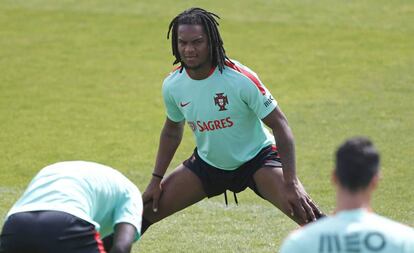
221,101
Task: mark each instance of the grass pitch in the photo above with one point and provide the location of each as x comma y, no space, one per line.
82,80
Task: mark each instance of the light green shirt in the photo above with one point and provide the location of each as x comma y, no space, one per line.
355,231
224,111
90,191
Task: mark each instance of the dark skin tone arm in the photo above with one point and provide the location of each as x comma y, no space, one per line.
277,121
170,139
123,239
297,198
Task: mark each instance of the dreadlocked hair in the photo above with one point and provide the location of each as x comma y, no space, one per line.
198,16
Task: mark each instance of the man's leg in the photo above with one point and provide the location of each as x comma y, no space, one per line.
270,184
180,189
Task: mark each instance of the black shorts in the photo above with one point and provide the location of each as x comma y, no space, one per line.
49,232
216,181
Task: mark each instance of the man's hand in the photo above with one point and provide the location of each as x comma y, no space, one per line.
153,193
300,204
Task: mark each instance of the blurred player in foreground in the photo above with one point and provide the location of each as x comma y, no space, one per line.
354,227
69,206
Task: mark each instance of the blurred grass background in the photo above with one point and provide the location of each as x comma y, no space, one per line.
81,80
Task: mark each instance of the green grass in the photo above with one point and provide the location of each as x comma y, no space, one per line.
82,80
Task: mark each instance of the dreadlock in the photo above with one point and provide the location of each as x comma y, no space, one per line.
198,16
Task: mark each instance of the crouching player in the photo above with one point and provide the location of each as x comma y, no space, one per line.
69,206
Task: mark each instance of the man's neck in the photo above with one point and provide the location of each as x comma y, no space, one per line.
347,200
200,73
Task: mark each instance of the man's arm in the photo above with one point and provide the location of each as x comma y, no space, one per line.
123,238
277,121
298,199
170,139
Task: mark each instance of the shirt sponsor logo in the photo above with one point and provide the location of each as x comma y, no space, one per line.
353,242
221,101
268,101
211,125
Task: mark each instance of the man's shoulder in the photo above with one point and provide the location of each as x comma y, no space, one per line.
387,224
237,67
173,75
178,81
243,74
311,229
304,237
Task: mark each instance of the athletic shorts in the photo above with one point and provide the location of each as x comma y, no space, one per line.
216,181
49,232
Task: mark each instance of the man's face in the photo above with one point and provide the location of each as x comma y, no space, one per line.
193,47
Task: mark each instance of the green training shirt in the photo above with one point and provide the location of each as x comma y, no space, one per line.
224,112
90,191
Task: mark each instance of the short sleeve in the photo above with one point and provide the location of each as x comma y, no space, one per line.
130,209
173,112
258,97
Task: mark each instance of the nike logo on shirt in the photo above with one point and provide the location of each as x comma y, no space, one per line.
184,104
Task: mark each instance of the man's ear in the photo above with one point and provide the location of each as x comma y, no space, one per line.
334,178
374,181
